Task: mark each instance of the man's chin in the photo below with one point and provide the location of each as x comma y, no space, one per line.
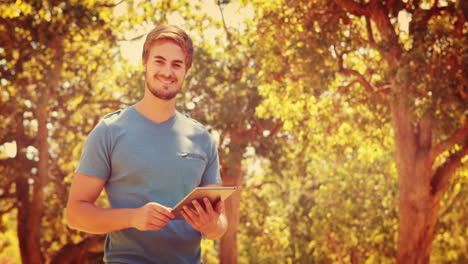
164,96
163,93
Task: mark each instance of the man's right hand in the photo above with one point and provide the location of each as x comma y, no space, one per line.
151,216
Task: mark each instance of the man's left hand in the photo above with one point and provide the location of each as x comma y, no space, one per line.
203,220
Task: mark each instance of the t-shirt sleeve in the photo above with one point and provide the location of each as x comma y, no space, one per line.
212,174
95,157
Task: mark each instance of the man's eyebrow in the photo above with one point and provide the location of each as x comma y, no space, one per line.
162,58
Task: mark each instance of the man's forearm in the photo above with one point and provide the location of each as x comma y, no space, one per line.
219,229
89,218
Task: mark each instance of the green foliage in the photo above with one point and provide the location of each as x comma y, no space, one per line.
9,248
329,192
327,78
316,145
450,241
66,49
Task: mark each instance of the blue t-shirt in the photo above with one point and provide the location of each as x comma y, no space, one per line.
143,161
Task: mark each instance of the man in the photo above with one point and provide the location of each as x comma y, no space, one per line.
148,157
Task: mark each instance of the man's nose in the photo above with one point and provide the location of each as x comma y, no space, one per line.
166,71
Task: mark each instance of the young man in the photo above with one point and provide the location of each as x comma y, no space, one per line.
148,157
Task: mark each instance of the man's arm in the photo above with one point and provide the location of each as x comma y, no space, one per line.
82,214
212,222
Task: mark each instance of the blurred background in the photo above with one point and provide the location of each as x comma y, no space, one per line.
344,122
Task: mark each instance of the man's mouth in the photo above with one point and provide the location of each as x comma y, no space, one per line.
165,80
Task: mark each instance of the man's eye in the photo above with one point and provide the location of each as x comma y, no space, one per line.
159,62
177,66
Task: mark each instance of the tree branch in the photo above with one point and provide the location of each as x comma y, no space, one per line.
456,138
111,5
359,78
380,15
449,204
7,210
260,185
345,88
25,164
275,129
353,7
336,247
76,253
348,72
6,190
370,34
390,4
443,173
228,34
421,18
459,24
260,125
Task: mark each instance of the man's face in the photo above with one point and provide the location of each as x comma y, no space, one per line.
165,69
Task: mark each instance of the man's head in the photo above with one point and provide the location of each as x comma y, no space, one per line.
174,34
167,57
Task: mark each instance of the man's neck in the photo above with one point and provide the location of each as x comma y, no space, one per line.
156,109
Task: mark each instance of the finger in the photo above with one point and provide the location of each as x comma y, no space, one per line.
160,217
202,214
190,211
167,211
186,216
162,210
198,207
208,206
189,215
152,224
219,206
157,215
190,219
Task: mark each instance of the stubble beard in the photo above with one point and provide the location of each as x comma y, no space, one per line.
161,93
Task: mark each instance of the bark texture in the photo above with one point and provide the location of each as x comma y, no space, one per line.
30,187
421,181
79,253
421,186
232,175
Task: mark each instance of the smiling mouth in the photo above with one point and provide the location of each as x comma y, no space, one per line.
165,82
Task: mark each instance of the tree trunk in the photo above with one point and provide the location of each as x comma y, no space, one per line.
418,213
232,176
31,206
31,202
418,205
77,253
28,237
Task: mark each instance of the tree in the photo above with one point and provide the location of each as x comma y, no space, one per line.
81,91
56,76
224,96
412,78
332,198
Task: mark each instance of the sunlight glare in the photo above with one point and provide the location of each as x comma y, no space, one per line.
10,149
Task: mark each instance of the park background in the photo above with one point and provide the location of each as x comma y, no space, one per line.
344,122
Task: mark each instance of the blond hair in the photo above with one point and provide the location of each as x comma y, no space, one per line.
172,33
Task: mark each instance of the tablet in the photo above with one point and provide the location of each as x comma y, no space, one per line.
212,193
